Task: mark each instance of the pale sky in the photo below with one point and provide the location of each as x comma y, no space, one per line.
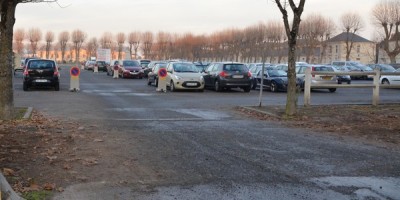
176,16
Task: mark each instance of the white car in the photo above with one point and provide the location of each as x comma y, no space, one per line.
184,76
390,79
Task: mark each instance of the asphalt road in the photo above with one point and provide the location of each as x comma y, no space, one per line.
192,145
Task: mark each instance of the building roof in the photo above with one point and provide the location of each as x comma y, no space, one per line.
351,36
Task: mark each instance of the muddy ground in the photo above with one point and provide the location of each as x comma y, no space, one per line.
46,154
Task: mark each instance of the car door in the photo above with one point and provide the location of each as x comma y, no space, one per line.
153,74
207,75
170,71
215,72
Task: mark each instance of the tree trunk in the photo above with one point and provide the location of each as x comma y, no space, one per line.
291,99
7,12
392,58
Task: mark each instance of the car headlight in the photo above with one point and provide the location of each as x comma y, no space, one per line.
201,78
177,77
141,70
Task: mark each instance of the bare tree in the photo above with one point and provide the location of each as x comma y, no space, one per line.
314,30
34,36
351,24
386,15
134,42
19,37
78,37
49,37
106,40
162,44
92,46
291,32
7,13
63,39
120,41
148,40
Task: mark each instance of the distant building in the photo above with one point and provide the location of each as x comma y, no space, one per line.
363,50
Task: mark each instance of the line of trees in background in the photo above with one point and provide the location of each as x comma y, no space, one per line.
263,41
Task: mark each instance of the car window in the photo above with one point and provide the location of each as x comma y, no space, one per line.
130,63
209,68
235,68
323,69
185,67
40,64
277,73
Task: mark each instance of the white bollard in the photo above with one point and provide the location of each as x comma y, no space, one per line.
115,74
95,69
162,80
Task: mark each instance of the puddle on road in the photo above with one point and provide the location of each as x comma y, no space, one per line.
364,187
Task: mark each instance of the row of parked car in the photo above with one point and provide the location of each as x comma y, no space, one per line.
226,75
125,68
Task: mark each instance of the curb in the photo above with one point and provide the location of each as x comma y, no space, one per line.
6,192
260,111
28,113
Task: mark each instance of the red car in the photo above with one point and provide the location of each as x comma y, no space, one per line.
129,69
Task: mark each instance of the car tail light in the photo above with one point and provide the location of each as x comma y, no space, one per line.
26,72
249,74
223,74
56,73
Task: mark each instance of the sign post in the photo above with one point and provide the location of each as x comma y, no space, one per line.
74,84
162,83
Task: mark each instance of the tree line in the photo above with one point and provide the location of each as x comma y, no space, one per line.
265,41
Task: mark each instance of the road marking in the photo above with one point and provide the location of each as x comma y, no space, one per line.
165,119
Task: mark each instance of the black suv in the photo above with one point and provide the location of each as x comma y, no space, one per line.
39,72
227,75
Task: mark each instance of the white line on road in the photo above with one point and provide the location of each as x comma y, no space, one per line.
165,119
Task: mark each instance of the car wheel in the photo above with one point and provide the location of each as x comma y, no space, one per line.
274,87
246,89
201,90
332,89
25,87
57,87
348,82
385,82
217,86
172,86
156,82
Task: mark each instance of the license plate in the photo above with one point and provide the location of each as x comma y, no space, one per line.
237,76
40,81
191,84
327,78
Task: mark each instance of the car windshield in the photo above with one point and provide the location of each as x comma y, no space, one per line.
130,63
40,64
235,68
387,68
185,67
161,65
277,73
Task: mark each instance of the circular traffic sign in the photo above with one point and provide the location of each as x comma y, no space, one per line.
75,71
162,73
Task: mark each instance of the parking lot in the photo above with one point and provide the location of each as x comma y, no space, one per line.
193,145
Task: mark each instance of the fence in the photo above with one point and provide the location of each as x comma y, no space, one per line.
375,85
